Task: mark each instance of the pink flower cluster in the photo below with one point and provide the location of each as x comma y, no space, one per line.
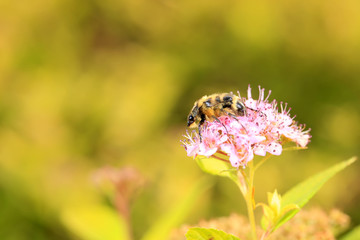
262,130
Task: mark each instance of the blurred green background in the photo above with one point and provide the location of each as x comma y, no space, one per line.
89,83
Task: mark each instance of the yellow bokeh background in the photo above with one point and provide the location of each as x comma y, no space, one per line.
89,83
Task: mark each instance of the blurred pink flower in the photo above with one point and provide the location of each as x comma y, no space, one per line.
264,129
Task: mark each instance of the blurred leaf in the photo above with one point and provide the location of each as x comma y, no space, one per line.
353,235
161,229
96,222
304,191
217,167
208,233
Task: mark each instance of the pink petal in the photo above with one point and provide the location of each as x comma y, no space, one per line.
235,160
274,148
303,141
192,150
207,152
222,139
257,139
250,156
260,149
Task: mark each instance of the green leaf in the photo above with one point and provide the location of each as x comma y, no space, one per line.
95,222
208,233
353,235
161,229
217,167
267,216
304,191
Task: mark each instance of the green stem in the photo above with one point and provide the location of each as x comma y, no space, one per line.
243,173
249,198
261,162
